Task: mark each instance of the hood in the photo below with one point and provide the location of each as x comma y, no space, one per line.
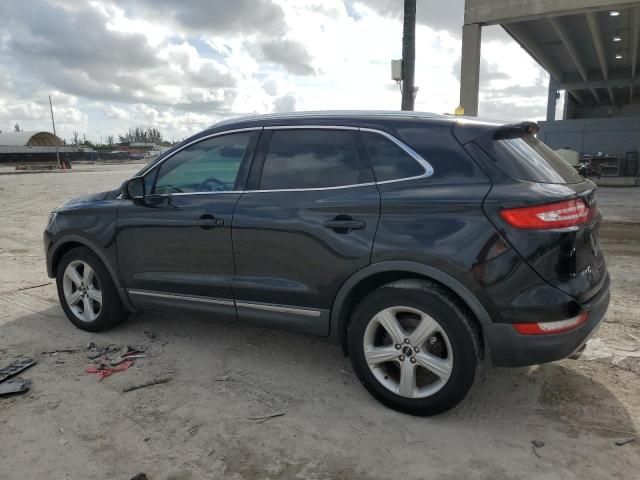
90,197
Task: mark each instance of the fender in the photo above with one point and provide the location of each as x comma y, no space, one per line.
99,251
337,323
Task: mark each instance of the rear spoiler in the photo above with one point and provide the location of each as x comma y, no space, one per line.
467,131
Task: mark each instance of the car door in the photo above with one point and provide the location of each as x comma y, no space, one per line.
174,246
305,223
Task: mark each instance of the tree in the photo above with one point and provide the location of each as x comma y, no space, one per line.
110,140
76,138
142,135
16,127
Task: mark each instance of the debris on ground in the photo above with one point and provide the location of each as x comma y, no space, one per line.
624,441
157,381
150,335
266,417
104,370
111,359
94,351
33,286
15,385
535,444
140,476
15,367
62,350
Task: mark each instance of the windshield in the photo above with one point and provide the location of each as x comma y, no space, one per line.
527,158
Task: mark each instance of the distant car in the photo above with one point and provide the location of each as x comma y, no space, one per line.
418,242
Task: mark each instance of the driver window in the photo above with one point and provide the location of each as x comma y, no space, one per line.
208,166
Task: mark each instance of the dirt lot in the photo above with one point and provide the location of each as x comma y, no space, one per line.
201,424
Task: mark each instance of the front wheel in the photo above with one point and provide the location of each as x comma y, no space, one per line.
86,291
414,347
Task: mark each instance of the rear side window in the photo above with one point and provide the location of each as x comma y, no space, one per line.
315,158
389,161
527,158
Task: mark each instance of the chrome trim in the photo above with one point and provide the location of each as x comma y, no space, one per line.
178,194
310,127
416,156
206,137
190,298
353,185
428,169
216,301
280,309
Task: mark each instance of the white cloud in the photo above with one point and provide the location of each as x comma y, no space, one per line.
180,66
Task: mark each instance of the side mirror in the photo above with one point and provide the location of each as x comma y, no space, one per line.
133,189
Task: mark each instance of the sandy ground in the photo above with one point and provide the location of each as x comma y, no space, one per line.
199,425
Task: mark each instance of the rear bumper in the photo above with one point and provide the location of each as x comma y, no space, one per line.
508,348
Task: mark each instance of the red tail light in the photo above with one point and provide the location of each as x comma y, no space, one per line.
552,215
546,328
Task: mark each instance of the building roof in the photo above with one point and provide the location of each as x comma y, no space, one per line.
30,139
590,47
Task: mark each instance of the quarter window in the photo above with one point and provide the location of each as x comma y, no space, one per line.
389,161
314,158
208,166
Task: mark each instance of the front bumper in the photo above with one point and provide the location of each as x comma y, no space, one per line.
508,348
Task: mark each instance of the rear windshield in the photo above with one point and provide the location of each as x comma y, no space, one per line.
527,158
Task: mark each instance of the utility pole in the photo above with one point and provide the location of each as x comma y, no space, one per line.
408,55
54,132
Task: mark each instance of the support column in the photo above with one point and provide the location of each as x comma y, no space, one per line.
470,68
552,99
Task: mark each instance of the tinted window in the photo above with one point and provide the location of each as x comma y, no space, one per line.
527,158
389,161
437,146
208,166
312,159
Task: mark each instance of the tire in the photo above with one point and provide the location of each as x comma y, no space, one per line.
95,306
451,347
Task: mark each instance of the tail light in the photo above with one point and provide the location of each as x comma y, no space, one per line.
546,328
551,215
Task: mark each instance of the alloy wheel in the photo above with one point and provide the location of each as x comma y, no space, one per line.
82,291
408,352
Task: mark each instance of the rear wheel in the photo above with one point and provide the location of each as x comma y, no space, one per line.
86,291
414,347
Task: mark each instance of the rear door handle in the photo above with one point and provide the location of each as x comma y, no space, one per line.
344,225
208,221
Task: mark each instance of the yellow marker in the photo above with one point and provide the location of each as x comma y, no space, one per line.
459,110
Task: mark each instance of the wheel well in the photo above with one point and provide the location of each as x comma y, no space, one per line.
62,249
375,281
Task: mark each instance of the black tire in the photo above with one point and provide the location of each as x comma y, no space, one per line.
454,319
111,311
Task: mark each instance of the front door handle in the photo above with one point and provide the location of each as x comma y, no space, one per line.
208,221
344,224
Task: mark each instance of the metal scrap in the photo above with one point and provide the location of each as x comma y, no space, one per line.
15,367
624,441
15,385
266,417
157,381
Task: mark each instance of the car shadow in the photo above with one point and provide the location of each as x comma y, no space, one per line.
277,370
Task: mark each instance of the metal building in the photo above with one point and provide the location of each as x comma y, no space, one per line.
29,139
590,50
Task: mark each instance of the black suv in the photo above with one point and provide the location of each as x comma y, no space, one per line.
418,242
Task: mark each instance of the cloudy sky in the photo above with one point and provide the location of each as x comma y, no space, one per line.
180,65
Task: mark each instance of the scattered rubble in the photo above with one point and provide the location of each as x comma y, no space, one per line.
15,385
15,367
157,381
267,417
624,441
